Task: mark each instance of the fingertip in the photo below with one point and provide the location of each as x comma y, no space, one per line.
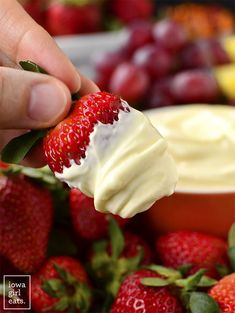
87,85
49,103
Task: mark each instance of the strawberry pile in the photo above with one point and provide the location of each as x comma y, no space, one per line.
68,17
86,261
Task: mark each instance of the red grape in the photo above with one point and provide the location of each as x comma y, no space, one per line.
170,35
139,34
129,82
219,54
203,53
102,81
195,86
154,59
196,55
106,62
160,95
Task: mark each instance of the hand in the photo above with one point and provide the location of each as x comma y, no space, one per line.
30,100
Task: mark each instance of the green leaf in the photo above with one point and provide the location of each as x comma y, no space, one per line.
82,298
155,282
231,236
222,270
200,302
127,265
231,254
183,269
76,96
191,282
206,281
49,288
17,148
61,305
100,247
117,238
65,275
31,67
164,271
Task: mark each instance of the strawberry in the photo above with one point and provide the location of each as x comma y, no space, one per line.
200,250
35,8
134,297
128,11
73,17
3,165
133,244
111,260
25,221
224,293
61,285
89,223
77,127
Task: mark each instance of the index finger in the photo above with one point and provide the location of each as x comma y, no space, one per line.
21,38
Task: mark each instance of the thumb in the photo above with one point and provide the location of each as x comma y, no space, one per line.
31,100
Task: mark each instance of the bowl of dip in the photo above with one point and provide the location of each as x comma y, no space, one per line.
201,139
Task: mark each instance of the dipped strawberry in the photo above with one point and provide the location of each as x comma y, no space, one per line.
197,249
25,221
61,285
89,223
134,297
224,293
111,152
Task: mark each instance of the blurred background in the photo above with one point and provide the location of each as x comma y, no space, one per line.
151,53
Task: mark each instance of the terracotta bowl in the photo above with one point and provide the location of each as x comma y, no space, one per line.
210,212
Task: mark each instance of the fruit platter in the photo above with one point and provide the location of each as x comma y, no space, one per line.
125,203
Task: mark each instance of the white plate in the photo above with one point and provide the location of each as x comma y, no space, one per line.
82,48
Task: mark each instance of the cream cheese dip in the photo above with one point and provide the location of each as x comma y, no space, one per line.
201,139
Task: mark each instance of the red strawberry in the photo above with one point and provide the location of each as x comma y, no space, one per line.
128,11
133,297
3,165
61,285
133,244
110,261
35,8
25,221
68,19
77,127
186,247
224,293
89,223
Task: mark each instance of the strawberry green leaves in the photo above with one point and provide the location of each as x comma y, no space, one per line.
72,294
117,239
32,67
16,150
200,302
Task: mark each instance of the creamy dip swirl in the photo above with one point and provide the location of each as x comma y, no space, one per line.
201,139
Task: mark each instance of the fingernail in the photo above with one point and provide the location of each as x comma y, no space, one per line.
47,102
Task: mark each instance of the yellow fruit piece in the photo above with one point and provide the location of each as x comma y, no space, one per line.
225,76
229,47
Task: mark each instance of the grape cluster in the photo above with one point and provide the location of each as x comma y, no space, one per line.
159,65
